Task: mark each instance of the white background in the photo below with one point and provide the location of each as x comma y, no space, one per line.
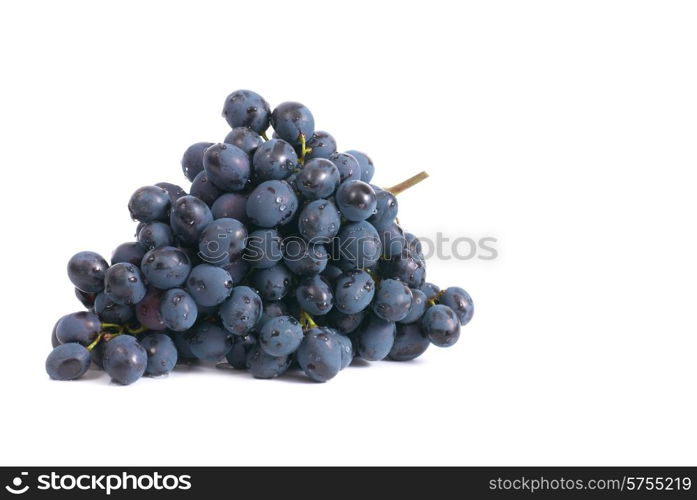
566,130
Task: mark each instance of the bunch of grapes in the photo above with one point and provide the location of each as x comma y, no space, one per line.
283,256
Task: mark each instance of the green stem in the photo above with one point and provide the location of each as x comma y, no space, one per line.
306,321
303,149
136,331
95,342
264,136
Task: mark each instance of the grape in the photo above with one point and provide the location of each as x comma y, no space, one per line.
131,252
264,366
178,310
343,322
149,203
319,178
320,354
322,145
123,284
274,159
314,295
359,245
124,359
244,108
230,206
348,166
148,310
414,245
273,283
354,291
244,138
304,259
188,218
409,342
417,308
264,248
183,350
221,241
346,347
356,200
162,354
203,189
81,327
392,300
192,161
441,325
331,273
86,271
111,312
238,270
166,267
385,211
241,311
430,290
459,301
208,342
54,338
68,362
319,221
175,192
155,234
280,336
393,241
237,355
407,267
366,164
209,285
290,120
86,299
375,338
227,166
273,309
272,203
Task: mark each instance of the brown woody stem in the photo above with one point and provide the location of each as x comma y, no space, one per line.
404,185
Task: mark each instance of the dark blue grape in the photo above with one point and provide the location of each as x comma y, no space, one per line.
385,211
244,138
331,273
441,325
209,285
407,267
417,307
68,362
54,338
162,354
230,206
273,309
227,166
189,217
349,168
280,336
273,283
86,299
392,300
359,245
414,245
275,159
175,192
237,355
353,291
409,342
86,271
375,338
208,342
166,267
124,359
111,312
244,108
192,161
264,366
148,310
131,252
343,322
304,259
264,248
367,167
178,310
346,347
322,145
238,269
241,311
149,203
81,327
319,221
203,189
430,290
314,295
155,234
393,241
183,350
459,301
222,241
290,120
356,200
319,178
271,204
320,354
123,284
